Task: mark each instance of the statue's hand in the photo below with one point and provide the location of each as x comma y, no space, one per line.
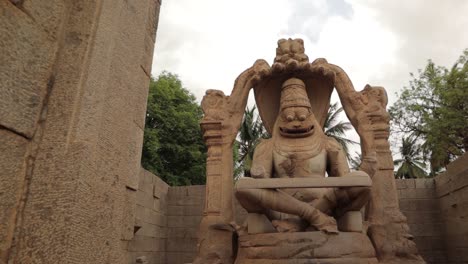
258,172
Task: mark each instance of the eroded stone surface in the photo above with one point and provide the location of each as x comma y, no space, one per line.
302,246
293,97
289,170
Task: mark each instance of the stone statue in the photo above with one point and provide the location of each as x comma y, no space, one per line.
299,149
295,213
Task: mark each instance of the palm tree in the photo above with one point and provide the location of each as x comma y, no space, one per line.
250,133
355,162
337,129
411,164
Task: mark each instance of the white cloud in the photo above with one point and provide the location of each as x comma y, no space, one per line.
209,42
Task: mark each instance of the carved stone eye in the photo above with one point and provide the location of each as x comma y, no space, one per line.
302,117
289,118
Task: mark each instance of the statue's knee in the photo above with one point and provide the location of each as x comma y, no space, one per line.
355,192
245,194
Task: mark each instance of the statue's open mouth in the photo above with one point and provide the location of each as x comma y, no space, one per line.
297,132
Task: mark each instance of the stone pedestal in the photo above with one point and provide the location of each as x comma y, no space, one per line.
306,247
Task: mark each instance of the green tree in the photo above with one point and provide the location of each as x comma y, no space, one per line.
355,162
434,109
411,164
337,129
173,147
250,133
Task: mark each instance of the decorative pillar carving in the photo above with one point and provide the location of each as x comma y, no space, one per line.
212,134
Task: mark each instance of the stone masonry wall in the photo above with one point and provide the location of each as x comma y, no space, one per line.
437,211
418,202
151,221
74,77
452,193
184,213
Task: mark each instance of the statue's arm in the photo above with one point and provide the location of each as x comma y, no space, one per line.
262,164
337,164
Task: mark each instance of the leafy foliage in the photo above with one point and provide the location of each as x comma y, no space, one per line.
411,164
337,129
355,162
434,108
250,133
173,147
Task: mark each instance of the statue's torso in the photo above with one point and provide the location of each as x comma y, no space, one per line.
299,164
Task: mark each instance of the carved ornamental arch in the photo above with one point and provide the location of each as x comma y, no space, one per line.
366,110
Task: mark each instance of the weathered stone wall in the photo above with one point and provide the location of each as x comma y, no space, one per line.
452,193
184,213
418,202
436,209
74,78
151,221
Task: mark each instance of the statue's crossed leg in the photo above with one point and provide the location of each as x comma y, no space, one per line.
315,212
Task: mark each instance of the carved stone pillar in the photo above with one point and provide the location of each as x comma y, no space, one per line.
212,135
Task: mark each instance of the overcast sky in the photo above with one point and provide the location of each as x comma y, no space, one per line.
208,43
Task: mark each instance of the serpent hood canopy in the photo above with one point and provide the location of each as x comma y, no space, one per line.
292,62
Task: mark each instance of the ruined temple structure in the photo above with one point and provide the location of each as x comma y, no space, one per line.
295,213
74,77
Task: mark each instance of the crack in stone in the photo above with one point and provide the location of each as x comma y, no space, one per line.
15,132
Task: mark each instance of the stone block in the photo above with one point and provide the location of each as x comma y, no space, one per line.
157,205
415,217
13,150
160,188
183,221
308,246
428,243
424,183
422,193
400,184
128,221
25,69
145,181
194,210
150,230
457,255
151,257
150,35
182,232
47,14
409,183
186,200
454,183
351,222
159,244
158,219
456,210
427,229
145,199
182,192
144,244
454,199
456,226
459,165
434,256
181,245
180,257
420,205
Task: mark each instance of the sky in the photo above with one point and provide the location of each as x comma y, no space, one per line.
208,43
